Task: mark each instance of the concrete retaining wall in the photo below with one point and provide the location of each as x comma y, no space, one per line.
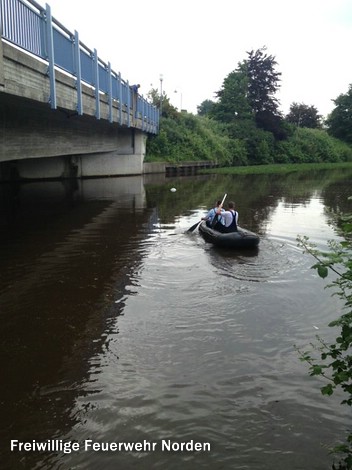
153,167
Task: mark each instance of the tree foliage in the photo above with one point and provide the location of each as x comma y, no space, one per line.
251,128
339,121
302,115
163,101
232,98
263,82
248,93
205,108
250,89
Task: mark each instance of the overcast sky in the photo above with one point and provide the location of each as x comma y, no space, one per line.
195,44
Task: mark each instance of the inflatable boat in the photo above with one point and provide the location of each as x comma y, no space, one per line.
240,239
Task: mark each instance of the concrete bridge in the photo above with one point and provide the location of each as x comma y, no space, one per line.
63,111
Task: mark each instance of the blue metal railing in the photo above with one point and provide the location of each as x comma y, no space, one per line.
31,27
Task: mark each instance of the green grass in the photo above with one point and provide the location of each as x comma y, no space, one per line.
277,168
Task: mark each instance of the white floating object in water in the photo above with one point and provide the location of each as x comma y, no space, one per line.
173,190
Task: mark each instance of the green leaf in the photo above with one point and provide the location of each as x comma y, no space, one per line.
316,370
327,390
341,377
347,228
322,271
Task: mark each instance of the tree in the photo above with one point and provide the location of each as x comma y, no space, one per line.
248,93
339,121
272,123
168,110
263,81
302,115
205,108
232,98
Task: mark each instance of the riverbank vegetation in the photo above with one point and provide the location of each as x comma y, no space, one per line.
244,125
278,168
333,362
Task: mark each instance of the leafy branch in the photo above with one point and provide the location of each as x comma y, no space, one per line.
333,362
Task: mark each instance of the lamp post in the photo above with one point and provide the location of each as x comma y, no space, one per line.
176,91
161,93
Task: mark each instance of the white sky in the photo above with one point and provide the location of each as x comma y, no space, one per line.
195,44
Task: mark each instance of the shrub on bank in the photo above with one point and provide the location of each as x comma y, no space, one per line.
312,146
190,138
186,137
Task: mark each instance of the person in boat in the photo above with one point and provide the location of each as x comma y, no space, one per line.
228,219
209,218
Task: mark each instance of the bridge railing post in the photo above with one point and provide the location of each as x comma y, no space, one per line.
128,104
110,92
96,83
143,115
2,78
50,55
120,97
78,75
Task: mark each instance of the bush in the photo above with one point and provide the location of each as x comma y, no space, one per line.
190,138
312,146
185,137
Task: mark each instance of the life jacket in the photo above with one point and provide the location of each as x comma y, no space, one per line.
233,226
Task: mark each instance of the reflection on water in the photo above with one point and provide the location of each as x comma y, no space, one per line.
117,325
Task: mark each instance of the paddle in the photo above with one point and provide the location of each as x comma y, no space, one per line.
194,226
191,229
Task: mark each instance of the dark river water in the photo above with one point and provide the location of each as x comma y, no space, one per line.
123,336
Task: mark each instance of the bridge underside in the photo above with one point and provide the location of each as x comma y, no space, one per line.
37,142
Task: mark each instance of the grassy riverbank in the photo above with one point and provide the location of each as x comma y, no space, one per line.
277,168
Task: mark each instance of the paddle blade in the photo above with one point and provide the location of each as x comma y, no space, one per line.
191,229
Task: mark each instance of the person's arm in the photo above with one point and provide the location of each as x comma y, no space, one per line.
209,215
223,216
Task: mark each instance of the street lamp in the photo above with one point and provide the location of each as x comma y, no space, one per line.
180,99
161,93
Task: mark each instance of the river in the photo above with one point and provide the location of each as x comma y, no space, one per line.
123,335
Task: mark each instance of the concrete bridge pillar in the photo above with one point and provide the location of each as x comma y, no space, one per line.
127,159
